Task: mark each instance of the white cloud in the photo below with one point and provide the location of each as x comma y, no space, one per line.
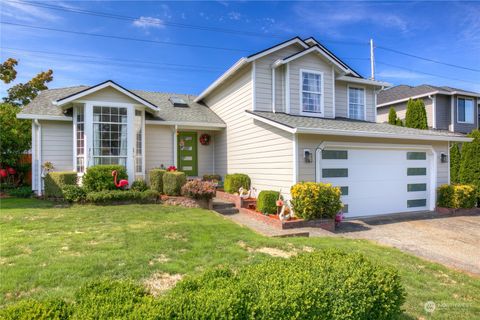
148,22
25,12
233,15
400,74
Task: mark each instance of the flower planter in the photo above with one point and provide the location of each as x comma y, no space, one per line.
235,199
453,211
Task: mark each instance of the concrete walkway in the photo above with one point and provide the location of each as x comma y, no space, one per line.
451,240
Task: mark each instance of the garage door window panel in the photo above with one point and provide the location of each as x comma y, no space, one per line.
334,154
416,156
416,171
414,187
335,173
414,203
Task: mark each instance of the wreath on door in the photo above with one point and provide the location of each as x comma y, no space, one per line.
205,139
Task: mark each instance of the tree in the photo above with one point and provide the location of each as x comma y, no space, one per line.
455,158
416,116
470,162
392,116
15,134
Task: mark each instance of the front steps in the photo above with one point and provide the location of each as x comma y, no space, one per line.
223,207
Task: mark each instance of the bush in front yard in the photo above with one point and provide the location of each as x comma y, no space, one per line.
38,310
156,179
139,185
233,182
115,196
55,181
326,285
200,190
212,177
457,196
312,200
173,182
469,172
74,193
267,201
100,178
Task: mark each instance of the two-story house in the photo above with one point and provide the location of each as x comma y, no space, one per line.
447,108
293,112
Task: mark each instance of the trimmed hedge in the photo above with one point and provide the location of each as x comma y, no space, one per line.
312,200
55,181
74,193
173,182
457,196
115,196
233,182
267,201
156,179
98,178
330,284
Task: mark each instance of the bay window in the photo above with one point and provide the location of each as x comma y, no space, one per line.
465,110
311,96
356,103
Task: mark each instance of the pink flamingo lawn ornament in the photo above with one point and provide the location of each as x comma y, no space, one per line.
122,183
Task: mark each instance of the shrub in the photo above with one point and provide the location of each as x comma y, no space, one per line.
312,200
55,181
392,116
156,179
173,182
470,162
416,115
74,193
325,285
21,192
197,189
457,196
139,185
233,182
98,178
212,177
455,157
114,196
39,310
267,201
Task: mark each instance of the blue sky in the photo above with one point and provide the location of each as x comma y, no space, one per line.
443,31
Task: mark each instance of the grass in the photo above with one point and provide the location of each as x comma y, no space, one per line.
49,252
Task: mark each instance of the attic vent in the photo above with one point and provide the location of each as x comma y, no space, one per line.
178,102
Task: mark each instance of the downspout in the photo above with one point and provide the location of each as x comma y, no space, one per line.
39,157
317,148
175,146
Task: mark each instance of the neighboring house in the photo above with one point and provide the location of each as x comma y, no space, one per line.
293,112
447,108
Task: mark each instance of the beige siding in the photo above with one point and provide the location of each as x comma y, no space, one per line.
263,78
401,109
57,144
306,171
109,94
158,146
248,146
341,100
311,61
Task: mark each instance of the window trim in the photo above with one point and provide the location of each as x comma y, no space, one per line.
473,110
75,154
364,101
322,93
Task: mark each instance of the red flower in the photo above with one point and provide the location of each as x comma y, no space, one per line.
172,168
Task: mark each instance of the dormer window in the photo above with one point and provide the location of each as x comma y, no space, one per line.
311,87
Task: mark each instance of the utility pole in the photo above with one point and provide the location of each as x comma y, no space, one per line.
372,60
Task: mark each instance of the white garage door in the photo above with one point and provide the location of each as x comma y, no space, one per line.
378,181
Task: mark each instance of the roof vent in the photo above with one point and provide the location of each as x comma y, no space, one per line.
178,102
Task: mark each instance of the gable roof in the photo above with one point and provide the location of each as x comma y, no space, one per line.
296,40
103,85
42,107
403,93
349,127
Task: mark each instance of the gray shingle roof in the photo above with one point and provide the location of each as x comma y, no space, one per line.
195,112
354,126
405,91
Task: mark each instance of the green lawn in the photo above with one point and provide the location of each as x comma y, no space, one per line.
49,252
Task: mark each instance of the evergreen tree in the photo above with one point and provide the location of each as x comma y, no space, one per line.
416,116
455,158
470,162
392,116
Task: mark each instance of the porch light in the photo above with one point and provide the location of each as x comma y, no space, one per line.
443,158
307,155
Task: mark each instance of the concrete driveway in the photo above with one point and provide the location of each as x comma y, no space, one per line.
450,240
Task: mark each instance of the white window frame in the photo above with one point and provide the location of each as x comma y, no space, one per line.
322,93
75,157
473,110
142,173
364,101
